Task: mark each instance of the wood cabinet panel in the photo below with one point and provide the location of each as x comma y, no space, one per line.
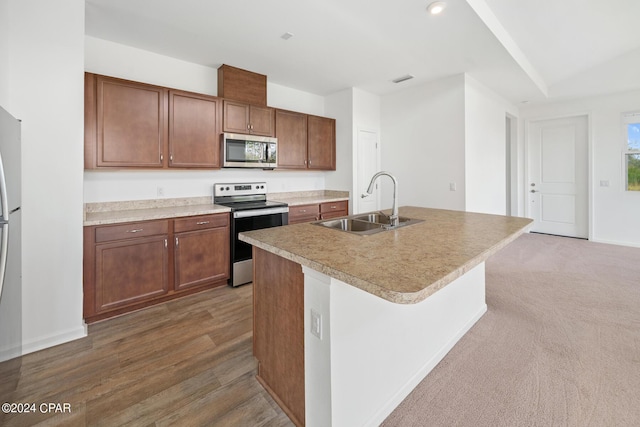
321,143
291,131
194,130
236,117
278,330
130,271
200,222
330,210
242,85
304,213
201,257
239,117
262,120
131,230
130,123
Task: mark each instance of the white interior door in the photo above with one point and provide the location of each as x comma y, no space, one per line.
558,176
367,167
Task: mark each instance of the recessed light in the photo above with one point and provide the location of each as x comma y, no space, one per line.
437,7
402,79
286,36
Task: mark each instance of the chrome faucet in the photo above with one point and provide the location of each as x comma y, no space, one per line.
393,219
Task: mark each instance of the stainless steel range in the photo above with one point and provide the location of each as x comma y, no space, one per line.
251,211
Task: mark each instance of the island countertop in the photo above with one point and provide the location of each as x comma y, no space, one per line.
403,266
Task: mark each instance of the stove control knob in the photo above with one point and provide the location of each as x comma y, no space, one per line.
227,188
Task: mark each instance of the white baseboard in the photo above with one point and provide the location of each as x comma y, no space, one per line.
613,242
7,353
41,343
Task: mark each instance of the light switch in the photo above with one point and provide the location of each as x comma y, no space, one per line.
316,324
604,183
452,186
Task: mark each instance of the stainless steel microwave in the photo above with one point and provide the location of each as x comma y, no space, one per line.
249,151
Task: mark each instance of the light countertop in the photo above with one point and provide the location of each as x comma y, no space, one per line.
103,213
405,265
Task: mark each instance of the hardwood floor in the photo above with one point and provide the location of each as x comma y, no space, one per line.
184,362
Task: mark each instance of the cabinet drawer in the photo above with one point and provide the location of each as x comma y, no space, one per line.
334,207
303,213
131,230
201,222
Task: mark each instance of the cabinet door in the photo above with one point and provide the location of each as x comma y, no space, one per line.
321,143
304,213
291,131
236,117
201,257
261,121
194,130
130,271
334,209
130,123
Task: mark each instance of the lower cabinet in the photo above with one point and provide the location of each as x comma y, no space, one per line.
199,258
334,209
317,211
133,265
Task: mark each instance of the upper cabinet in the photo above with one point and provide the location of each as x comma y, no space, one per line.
240,117
194,130
137,125
242,85
125,123
291,131
129,124
321,142
305,141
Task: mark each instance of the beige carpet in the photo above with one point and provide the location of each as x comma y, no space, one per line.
558,346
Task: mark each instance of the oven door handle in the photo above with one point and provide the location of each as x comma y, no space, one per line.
260,212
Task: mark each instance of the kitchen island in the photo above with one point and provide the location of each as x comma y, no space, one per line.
345,326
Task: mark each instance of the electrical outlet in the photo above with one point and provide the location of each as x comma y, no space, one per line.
160,191
604,183
316,324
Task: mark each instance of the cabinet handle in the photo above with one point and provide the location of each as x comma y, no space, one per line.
136,230
161,157
202,222
176,241
305,163
165,243
334,207
171,158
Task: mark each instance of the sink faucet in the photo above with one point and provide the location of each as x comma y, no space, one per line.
393,219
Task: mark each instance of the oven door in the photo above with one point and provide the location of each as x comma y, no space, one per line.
241,252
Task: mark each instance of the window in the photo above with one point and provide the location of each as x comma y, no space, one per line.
632,151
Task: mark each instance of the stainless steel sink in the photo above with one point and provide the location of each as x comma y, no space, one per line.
351,225
364,224
381,218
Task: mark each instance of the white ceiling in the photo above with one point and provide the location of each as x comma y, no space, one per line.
523,49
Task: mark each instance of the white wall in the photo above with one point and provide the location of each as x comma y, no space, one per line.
42,84
485,149
4,53
117,60
340,107
614,212
423,144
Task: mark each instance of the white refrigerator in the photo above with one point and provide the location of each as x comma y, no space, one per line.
10,238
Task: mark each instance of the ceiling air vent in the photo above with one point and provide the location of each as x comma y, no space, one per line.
403,78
